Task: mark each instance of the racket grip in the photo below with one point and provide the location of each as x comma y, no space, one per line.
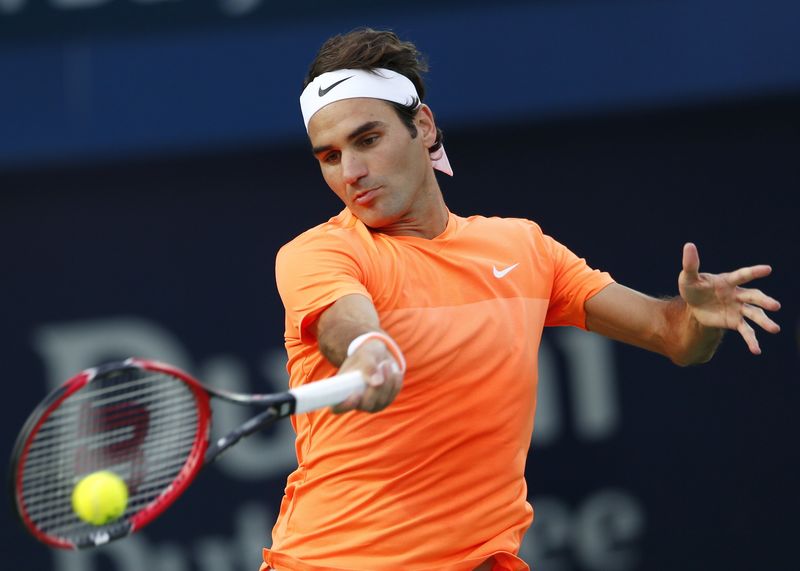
327,392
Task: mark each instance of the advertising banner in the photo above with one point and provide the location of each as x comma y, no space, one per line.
636,464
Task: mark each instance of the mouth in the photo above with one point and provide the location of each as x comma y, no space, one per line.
366,196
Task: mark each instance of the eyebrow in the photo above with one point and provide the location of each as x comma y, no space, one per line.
368,126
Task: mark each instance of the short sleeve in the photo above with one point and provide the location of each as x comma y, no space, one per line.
574,282
311,275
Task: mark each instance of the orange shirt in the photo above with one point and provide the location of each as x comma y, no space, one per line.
436,480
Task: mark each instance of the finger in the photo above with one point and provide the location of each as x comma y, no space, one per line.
691,260
377,378
759,298
382,400
372,399
393,383
375,385
750,273
757,316
379,397
749,337
351,403
396,377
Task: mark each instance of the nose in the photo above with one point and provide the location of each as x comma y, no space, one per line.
353,168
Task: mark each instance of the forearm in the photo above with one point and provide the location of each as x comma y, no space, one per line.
665,326
334,341
345,320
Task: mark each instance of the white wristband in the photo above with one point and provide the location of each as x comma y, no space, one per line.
390,343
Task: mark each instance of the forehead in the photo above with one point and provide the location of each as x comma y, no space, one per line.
340,118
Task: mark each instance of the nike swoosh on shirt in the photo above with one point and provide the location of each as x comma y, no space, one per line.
504,272
322,92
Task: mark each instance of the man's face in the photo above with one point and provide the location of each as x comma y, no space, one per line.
369,159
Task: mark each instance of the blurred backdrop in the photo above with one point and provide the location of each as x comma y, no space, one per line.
153,159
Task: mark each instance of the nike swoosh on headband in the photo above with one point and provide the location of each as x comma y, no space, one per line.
323,92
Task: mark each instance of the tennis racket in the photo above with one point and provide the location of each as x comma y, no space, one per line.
149,423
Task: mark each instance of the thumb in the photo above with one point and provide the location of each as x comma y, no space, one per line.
691,261
378,376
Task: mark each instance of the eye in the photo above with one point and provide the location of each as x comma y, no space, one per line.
369,140
331,158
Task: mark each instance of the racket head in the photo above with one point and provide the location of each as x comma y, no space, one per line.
148,422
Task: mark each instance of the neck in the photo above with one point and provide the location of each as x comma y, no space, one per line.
429,226
426,219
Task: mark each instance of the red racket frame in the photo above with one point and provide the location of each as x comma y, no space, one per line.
190,469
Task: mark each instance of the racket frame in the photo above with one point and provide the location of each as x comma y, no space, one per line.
191,467
306,398
23,444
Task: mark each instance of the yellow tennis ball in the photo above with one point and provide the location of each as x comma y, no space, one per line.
100,497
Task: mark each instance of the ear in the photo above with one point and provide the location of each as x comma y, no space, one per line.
426,125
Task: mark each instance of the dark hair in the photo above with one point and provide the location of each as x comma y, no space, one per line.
368,49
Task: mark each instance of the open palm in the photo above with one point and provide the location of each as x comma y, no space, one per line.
717,300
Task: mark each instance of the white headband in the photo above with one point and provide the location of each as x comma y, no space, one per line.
378,83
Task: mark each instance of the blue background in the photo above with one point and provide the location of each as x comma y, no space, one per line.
153,160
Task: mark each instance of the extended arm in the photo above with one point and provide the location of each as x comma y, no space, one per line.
349,317
687,329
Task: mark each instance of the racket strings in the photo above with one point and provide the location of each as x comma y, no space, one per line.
154,396
55,518
138,424
161,453
43,453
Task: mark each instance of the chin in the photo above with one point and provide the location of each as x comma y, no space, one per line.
372,219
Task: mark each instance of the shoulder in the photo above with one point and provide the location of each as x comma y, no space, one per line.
505,226
340,246
509,236
335,234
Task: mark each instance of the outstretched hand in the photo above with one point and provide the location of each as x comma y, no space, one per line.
717,300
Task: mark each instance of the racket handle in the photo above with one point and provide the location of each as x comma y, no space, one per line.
327,392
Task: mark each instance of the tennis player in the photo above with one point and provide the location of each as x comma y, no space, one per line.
450,308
